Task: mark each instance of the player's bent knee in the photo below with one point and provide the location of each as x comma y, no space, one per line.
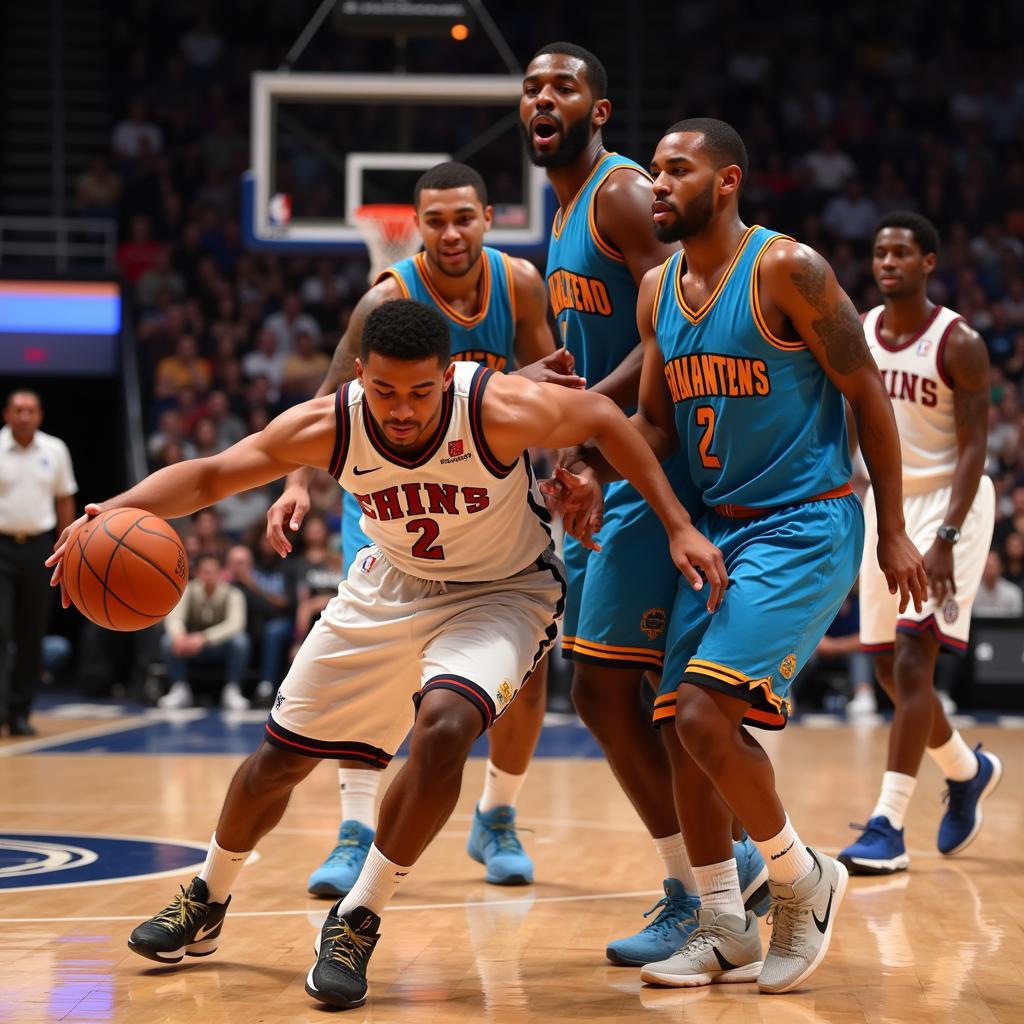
700,726
271,769
446,726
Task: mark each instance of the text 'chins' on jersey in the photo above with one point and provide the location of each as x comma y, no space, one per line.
423,499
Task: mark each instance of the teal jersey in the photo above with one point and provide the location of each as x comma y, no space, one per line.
592,292
489,336
759,422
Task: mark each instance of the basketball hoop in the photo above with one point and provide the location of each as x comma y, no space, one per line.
390,234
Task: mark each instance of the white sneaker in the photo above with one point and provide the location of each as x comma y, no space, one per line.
231,698
863,704
265,690
178,696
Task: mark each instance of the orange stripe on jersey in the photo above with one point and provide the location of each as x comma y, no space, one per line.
510,285
420,263
657,293
391,272
562,216
755,303
695,316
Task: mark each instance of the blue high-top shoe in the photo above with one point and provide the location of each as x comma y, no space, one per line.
493,842
336,876
962,820
676,918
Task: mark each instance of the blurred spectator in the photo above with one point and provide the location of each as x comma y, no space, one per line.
186,368
304,369
205,536
1014,522
851,217
830,168
289,322
170,430
136,135
203,46
230,429
1013,559
997,597
269,593
318,574
160,277
98,189
206,627
267,360
139,252
240,512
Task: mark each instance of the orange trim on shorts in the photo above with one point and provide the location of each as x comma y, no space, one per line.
746,512
611,652
733,677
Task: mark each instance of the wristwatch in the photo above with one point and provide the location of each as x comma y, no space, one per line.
950,534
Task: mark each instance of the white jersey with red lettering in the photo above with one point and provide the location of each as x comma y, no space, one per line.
922,397
453,513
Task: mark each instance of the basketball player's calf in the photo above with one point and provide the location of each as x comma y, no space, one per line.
256,799
415,807
806,886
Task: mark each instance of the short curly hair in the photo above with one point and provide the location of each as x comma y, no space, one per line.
924,231
406,329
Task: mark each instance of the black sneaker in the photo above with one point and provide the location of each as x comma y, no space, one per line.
343,948
189,926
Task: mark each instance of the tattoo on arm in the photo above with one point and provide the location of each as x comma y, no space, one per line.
838,329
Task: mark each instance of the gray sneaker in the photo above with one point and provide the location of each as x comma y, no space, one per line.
722,948
802,917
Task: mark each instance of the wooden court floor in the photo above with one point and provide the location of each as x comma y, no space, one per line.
942,943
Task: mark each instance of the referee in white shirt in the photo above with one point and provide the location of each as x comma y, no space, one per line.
37,488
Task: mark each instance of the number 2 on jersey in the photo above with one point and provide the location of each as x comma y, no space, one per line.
705,417
428,531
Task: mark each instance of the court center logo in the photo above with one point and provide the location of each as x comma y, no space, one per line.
44,860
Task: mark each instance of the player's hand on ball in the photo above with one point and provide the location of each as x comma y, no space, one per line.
290,508
903,567
56,560
578,497
692,551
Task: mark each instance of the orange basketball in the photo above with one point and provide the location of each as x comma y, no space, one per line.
125,569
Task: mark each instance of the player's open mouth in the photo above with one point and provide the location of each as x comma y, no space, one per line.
544,129
661,211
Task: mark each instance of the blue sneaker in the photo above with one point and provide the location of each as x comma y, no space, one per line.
668,932
962,820
753,877
339,872
493,842
879,851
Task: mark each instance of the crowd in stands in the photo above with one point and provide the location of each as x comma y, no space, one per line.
853,121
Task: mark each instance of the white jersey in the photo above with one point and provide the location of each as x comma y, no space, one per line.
454,513
922,398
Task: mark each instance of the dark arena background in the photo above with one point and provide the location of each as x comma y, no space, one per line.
193,199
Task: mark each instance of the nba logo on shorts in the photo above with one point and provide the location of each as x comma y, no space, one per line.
368,563
279,209
455,449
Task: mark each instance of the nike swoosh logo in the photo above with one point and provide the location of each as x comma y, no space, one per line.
823,925
722,962
205,930
776,856
363,472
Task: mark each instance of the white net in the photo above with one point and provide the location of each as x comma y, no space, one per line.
389,233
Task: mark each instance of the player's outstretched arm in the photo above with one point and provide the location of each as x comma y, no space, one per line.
292,506
800,284
966,364
519,414
302,436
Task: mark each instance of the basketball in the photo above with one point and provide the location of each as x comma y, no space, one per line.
125,569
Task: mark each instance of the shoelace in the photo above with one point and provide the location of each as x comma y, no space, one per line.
346,851
180,912
868,830
348,945
787,922
671,916
504,835
701,939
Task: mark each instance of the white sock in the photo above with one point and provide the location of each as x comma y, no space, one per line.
893,800
375,885
787,858
718,886
955,759
359,795
501,789
221,869
672,851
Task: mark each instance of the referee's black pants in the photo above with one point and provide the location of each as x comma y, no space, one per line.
25,603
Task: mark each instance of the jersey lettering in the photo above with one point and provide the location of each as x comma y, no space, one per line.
417,499
575,291
903,386
707,374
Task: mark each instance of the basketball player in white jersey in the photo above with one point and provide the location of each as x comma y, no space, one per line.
936,370
439,623
497,310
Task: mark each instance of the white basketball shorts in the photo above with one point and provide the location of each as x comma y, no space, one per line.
387,638
880,619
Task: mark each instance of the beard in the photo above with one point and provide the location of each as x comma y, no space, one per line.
692,221
575,139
